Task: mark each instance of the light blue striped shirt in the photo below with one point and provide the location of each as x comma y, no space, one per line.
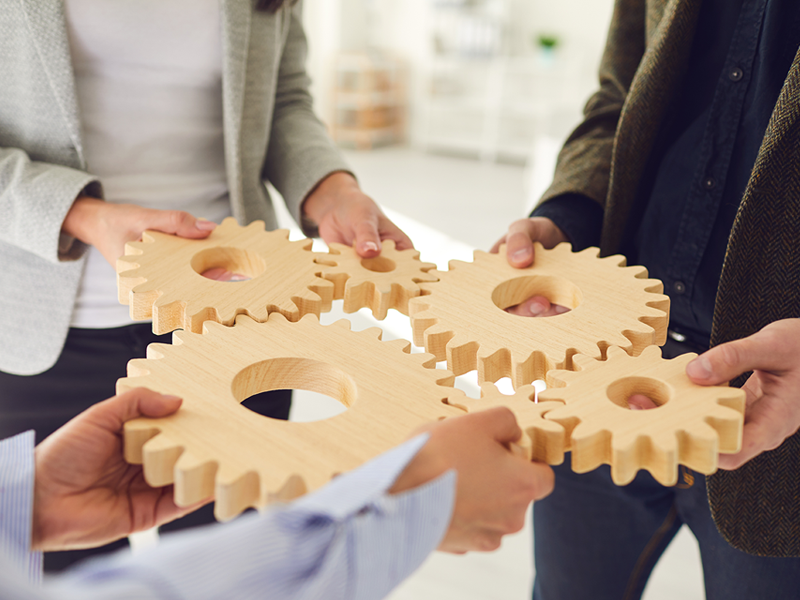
350,540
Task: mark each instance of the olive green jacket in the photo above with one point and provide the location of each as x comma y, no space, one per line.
757,507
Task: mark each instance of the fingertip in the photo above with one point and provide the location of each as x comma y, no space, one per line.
700,369
205,225
368,249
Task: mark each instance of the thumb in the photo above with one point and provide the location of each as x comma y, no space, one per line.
760,351
135,403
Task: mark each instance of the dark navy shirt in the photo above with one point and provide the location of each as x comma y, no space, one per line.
702,157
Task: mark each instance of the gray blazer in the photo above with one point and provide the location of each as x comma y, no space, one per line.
271,134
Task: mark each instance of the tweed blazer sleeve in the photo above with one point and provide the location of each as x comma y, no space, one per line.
300,152
584,163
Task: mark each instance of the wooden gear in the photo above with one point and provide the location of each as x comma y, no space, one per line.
462,319
543,440
383,282
161,277
215,446
690,425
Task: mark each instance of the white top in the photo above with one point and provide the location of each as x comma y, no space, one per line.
149,84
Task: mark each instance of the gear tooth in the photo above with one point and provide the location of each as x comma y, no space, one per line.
400,344
460,264
637,271
616,260
616,353
459,399
194,479
592,252
343,323
137,433
373,332
235,491
159,455
488,389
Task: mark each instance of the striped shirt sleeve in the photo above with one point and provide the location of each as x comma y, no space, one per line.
350,541
16,504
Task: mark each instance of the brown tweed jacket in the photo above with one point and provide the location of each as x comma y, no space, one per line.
757,507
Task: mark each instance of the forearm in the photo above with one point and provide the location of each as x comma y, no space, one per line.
584,163
300,153
35,198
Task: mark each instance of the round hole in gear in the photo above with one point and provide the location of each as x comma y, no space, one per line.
329,385
243,264
378,264
622,389
556,289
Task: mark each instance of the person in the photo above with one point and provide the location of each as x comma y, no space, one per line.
457,486
119,118
686,162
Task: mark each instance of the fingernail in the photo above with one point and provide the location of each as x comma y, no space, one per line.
370,246
170,397
635,407
520,254
205,225
699,368
536,308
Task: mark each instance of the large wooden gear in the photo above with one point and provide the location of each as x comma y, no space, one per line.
690,425
214,446
462,319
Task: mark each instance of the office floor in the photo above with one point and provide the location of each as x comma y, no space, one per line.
450,206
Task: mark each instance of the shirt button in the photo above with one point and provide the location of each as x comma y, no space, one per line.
679,287
709,183
735,74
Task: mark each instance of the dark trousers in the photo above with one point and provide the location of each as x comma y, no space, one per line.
86,373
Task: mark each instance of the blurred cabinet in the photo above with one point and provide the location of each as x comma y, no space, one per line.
369,101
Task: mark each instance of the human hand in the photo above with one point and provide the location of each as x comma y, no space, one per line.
345,215
494,487
108,227
85,494
772,411
519,250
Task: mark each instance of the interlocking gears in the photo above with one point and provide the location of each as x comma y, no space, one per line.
161,277
543,441
690,425
462,319
386,281
215,446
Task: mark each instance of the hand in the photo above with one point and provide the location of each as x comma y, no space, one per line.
519,251
85,494
772,411
108,227
345,215
495,487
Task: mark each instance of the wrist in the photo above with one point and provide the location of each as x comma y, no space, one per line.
82,218
322,198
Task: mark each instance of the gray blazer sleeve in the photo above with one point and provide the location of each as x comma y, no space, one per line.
300,152
34,199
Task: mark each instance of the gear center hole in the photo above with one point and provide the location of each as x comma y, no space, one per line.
337,387
557,290
621,391
228,264
378,264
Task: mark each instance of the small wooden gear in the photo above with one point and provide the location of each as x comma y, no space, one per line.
214,446
690,425
543,440
462,317
386,281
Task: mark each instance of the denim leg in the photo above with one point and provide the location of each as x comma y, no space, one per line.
731,574
594,540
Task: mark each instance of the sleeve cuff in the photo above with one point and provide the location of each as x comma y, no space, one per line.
578,216
16,503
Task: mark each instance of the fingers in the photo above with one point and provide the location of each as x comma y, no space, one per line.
500,423
179,223
768,350
519,243
767,427
138,402
537,306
